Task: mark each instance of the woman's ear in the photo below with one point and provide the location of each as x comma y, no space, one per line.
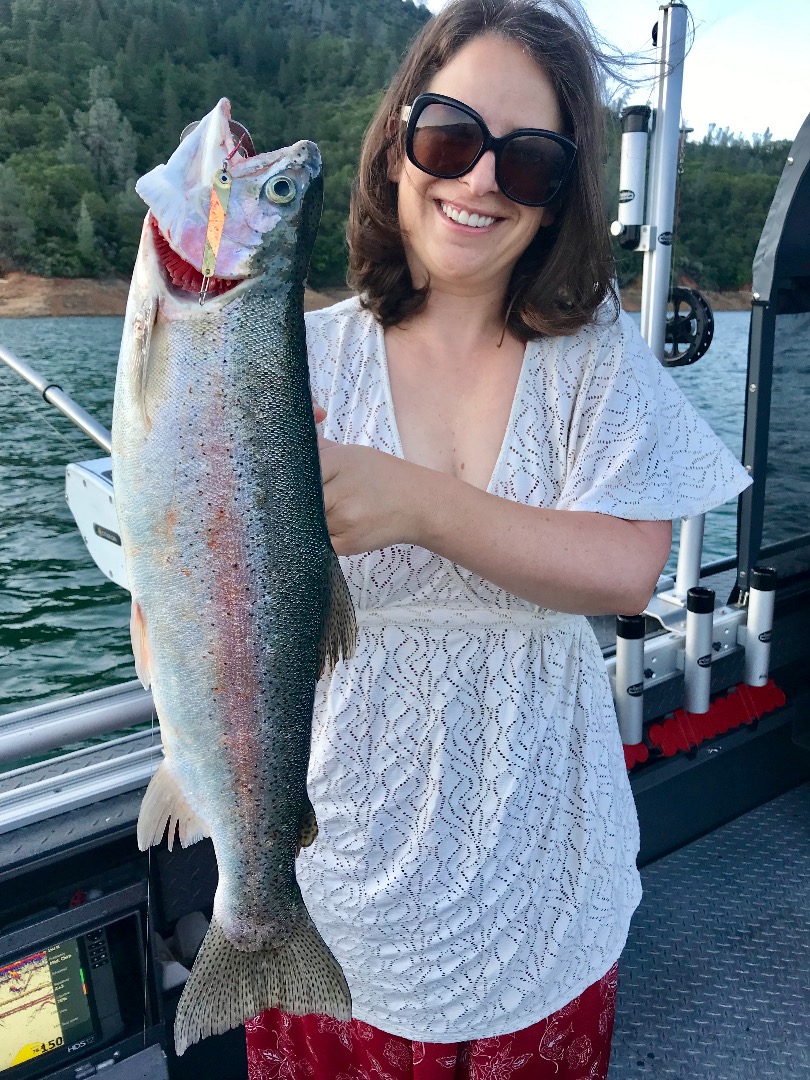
394,165
393,154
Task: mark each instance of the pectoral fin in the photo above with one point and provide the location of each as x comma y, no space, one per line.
142,340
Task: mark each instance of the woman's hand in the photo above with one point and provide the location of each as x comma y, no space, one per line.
582,562
371,498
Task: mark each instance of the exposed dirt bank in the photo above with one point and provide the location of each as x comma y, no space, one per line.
718,301
24,296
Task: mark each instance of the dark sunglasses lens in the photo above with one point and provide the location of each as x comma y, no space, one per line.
532,168
445,140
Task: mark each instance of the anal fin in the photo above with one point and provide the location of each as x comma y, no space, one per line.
165,804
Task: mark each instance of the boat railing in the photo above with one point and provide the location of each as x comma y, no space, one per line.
45,789
32,791
41,729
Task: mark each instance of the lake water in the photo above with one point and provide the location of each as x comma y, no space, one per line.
64,628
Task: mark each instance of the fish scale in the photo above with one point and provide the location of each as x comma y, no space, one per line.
238,597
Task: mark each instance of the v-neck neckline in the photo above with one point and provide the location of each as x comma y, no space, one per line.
382,352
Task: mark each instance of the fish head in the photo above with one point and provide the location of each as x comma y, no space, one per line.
273,204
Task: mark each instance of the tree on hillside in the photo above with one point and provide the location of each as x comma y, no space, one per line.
94,93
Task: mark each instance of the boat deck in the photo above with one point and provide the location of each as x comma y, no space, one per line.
715,979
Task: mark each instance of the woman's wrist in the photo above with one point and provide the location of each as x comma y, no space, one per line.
413,499
431,502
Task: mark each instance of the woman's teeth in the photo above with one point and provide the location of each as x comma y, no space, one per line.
475,221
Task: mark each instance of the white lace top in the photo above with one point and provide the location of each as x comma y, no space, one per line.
475,868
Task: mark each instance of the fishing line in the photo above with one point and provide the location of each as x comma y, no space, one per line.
75,450
148,900
676,220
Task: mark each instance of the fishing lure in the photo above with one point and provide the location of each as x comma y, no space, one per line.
217,209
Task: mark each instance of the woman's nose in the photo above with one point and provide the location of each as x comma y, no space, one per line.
481,179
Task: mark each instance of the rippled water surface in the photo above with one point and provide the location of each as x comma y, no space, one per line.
63,626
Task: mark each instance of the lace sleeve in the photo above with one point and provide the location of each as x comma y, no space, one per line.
637,449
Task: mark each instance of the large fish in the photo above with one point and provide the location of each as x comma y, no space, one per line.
238,597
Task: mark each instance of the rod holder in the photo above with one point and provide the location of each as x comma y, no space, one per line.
690,554
673,25
761,596
632,176
630,677
697,668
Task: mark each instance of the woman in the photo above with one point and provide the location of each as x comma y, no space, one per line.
500,456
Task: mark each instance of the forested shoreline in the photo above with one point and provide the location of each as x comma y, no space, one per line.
93,93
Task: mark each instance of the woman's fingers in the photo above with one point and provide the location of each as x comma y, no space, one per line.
330,463
320,414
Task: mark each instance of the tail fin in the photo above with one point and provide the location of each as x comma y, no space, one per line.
228,985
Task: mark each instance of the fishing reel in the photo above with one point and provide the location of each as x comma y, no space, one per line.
690,327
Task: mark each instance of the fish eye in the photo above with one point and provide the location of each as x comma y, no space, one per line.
281,190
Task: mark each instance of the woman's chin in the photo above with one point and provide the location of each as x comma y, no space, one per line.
472,278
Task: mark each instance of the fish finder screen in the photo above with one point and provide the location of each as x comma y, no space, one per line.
44,1004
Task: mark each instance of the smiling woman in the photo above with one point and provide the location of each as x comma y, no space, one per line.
554,288
441,249
500,455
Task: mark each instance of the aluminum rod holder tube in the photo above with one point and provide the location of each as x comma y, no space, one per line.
690,555
672,26
697,668
56,396
632,176
630,677
761,596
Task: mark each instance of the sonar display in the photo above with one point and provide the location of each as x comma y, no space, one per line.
43,1003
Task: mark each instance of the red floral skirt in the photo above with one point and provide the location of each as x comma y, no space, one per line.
571,1044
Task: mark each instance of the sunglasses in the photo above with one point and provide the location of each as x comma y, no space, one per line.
446,138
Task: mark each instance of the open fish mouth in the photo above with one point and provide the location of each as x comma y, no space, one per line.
182,274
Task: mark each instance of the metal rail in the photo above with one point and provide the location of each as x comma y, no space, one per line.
42,728
56,396
42,791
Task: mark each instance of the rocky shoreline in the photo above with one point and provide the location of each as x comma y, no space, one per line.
25,296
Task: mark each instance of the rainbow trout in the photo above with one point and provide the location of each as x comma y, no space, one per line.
238,597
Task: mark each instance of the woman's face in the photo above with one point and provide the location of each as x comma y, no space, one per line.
506,87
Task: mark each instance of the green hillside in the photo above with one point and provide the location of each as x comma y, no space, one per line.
93,93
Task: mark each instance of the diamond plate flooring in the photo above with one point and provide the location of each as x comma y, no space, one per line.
715,980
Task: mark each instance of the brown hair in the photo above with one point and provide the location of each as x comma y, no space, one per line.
567,270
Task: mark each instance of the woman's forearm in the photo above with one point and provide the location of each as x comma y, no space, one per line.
580,562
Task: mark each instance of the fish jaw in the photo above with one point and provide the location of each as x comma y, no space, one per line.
178,194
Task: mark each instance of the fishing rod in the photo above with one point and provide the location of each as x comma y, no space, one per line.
651,152
56,396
